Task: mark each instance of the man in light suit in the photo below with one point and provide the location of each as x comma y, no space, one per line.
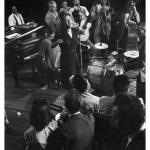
51,18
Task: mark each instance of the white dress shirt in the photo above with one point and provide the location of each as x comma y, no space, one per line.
15,19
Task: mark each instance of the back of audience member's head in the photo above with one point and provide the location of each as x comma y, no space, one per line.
72,101
121,84
128,114
40,116
79,83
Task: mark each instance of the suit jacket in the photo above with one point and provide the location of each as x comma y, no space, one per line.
76,134
137,143
52,20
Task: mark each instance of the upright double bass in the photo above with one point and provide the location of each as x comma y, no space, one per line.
128,34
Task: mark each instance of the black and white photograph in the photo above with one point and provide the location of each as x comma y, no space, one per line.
75,74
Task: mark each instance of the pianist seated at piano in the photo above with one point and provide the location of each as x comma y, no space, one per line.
15,20
50,56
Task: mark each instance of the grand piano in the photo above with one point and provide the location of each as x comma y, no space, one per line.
22,46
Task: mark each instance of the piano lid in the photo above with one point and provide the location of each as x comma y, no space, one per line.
23,35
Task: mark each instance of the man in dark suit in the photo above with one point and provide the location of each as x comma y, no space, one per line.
128,117
77,132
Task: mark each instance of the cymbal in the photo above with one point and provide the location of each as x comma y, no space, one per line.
101,45
131,54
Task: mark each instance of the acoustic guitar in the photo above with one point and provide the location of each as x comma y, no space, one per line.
86,34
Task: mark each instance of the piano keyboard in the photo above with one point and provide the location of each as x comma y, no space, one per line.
31,56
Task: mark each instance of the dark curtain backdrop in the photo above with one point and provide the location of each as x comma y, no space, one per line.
36,9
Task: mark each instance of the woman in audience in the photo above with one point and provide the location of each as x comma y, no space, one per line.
41,126
128,117
82,85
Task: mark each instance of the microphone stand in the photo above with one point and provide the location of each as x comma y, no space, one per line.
81,58
138,88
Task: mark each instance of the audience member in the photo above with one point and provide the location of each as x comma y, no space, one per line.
78,131
128,117
41,125
120,85
82,85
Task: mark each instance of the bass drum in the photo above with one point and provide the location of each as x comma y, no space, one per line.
100,77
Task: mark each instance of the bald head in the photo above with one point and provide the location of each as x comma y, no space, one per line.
14,9
52,6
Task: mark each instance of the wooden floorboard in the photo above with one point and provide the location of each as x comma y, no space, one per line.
20,100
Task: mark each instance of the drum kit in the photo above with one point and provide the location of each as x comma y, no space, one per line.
103,68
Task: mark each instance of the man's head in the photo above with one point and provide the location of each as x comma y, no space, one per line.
121,84
79,83
128,114
49,33
40,116
14,9
76,2
130,5
72,101
64,4
52,6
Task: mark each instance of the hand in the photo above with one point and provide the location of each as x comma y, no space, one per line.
53,125
81,32
84,26
134,9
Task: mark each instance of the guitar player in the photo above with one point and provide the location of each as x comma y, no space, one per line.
80,12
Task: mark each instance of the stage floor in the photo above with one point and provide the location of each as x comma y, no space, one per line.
20,100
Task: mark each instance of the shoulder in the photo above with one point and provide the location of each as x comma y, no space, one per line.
138,142
90,96
71,9
49,13
83,7
20,14
105,99
11,16
30,132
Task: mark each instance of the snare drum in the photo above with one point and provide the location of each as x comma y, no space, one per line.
101,77
101,50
